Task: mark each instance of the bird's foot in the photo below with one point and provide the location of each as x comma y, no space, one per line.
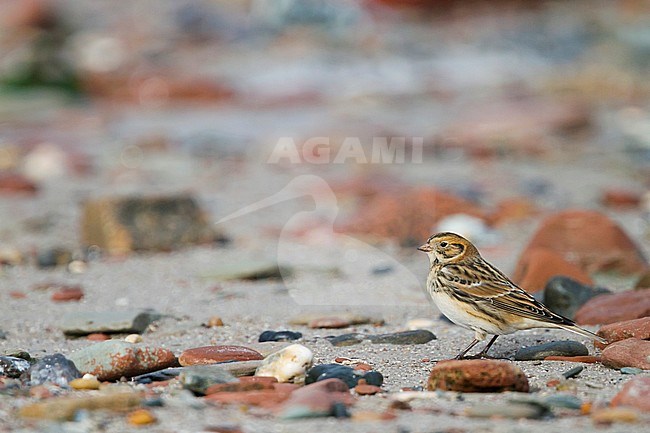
478,356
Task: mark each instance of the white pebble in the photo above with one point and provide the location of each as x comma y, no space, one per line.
287,365
133,338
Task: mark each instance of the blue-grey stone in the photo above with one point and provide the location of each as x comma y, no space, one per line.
565,296
84,322
56,369
198,378
554,348
13,367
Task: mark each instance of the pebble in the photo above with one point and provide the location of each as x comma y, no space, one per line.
364,388
348,375
141,417
110,360
279,336
13,367
418,336
317,400
553,348
636,328
53,257
85,322
124,224
214,322
573,372
617,414
630,352
244,384
538,265
566,401
158,376
198,378
477,376
56,369
565,296
67,294
631,370
246,269
65,408
288,364
214,354
584,359
133,338
615,307
88,382
507,410
635,393
346,339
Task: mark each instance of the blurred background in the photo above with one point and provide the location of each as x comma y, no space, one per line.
519,109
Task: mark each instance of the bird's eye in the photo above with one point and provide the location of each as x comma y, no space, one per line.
443,244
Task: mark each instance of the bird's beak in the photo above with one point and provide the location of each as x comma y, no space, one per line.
426,248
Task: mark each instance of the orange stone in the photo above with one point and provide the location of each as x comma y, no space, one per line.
538,265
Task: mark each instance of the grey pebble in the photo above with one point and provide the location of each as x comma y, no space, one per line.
565,296
56,369
198,378
13,367
508,410
631,370
84,323
573,372
554,348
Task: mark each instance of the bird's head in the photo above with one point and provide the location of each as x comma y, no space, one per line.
448,248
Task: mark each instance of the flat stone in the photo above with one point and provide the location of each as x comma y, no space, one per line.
584,359
418,336
120,225
84,323
215,354
565,296
13,367
198,378
65,408
67,294
477,376
113,359
56,369
631,352
514,410
246,270
316,400
279,336
617,331
346,339
635,393
616,414
348,375
630,370
241,368
244,384
266,398
615,307
553,348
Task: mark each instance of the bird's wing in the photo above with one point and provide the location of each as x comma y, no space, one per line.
488,285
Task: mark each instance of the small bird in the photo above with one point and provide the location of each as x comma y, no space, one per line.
475,295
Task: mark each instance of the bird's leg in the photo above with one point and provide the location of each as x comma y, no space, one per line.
483,353
462,353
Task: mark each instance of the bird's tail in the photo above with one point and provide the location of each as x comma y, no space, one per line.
578,330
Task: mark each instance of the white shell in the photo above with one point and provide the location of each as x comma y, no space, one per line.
287,364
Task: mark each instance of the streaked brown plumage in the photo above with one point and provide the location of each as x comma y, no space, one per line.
475,295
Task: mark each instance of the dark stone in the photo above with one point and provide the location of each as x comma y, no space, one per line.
106,322
198,378
279,336
55,369
347,374
3,335
382,270
53,257
158,376
13,367
339,410
418,336
565,296
554,348
346,339
573,372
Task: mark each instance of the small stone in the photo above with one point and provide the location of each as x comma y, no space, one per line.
565,296
554,348
418,336
133,338
631,370
329,323
537,266
65,408
53,257
56,369
12,183
615,307
250,270
287,365
84,323
241,368
279,336
158,376
141,417
363,388
631,352
344,373
13,367
96,336
125,224
215,321
584,359
617,414
635,393
617,331
198,378
67,294
573,372
620,198
316,400
214,354
477,376
566,401
263,398
85,383
244,384
507,410
346,339
113,359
